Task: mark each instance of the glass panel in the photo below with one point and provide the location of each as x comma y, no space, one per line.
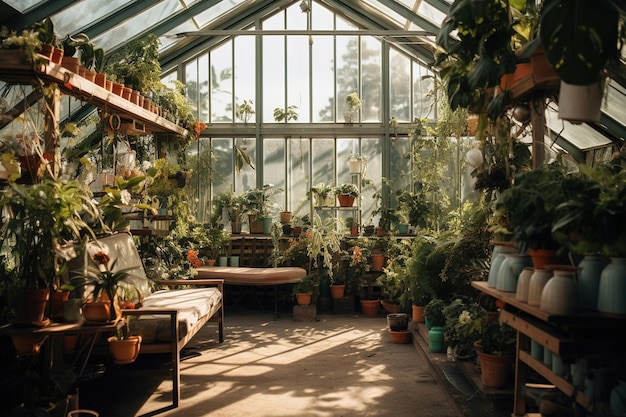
323,154
137,24
223,165
273,75
400,86
169,40
245,59
371,148
323,79
423,87
582,136
321,17
298,75
347,70
66,21
216,11
221,84
298,169
613,106
200,182
246,179
191,75
23,5
203,87
371,76
274,170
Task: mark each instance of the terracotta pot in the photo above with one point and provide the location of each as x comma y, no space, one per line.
210,262
46,50
126,92
285,217
494,369
117,89
337,290
401,336
124,351
56,303
378,261
32,307
370,307
417,314
97,311
27,344
345,200
70,63
542,257
390,307
304,298
90,75
100,79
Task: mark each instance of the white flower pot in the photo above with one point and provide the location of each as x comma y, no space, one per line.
580,103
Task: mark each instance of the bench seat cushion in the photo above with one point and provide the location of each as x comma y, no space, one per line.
252,276
192,304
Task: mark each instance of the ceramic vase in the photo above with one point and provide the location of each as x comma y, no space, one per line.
590,269
435,339
560,294
496,262
537,281
612,288
523,283
510,269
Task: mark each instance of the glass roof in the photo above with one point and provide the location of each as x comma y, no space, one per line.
111,23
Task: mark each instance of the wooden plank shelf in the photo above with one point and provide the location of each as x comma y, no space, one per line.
14,69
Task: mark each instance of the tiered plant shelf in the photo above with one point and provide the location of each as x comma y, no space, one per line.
14,69
570,336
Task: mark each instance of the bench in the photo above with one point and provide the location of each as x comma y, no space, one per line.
169,318
254,277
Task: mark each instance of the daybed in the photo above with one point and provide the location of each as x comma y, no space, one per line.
168,319
254,277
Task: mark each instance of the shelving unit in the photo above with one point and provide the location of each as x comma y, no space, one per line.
14,69
588,334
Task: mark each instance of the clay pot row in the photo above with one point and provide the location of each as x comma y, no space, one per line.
73,64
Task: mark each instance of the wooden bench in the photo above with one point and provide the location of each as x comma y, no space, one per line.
254,277
168,319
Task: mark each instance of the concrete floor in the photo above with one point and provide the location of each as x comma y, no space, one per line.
341,365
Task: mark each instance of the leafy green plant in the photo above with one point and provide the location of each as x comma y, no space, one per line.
259,201
434,310
347,189
40,220
289,114
530,206
245,110
137,64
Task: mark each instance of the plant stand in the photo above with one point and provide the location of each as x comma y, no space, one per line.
305,313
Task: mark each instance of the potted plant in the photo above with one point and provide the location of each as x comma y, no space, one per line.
259,205
530,207
234,205
346,194
137,64
40,219
352,105
320,194
393,287
356,163
100,286
124,347
494,342
303,289
210,241
434,313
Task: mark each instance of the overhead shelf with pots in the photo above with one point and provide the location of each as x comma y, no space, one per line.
16,70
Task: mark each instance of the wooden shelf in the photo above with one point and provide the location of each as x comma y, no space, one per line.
571,336
14,69
560,383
